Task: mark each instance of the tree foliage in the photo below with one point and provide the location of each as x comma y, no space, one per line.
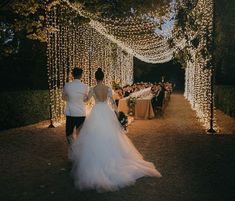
21,19
26,18
120,8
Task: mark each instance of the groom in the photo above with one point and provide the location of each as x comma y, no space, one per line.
75,110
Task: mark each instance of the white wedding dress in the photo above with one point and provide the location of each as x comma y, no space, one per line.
103,157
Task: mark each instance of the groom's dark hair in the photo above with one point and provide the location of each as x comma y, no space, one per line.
77,72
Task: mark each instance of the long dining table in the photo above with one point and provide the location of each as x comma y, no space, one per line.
143,107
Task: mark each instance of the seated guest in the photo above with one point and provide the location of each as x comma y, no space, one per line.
154,102
158,100
117,95
155,90
126,91
161,95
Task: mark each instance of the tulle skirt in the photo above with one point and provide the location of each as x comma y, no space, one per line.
103,156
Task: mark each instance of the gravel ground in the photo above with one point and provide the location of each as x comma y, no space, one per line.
195,166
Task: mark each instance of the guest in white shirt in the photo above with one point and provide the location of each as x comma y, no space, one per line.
74,94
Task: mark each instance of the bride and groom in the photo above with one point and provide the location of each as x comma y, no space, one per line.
104,158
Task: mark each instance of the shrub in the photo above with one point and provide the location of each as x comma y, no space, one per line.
225,99
23,107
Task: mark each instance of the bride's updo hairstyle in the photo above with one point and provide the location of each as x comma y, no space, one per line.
99,75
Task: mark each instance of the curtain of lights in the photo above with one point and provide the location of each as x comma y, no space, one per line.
198,73
145,37
72,44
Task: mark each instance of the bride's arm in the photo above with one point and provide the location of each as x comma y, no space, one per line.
113,103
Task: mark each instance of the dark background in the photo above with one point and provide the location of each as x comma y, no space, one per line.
172,72
25,70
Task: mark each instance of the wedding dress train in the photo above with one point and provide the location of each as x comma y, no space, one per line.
103,156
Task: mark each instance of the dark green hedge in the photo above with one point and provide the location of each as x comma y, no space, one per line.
23,107
225,99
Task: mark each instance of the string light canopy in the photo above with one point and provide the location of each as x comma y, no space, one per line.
144,36
111,41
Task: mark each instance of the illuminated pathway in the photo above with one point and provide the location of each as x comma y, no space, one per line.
195,166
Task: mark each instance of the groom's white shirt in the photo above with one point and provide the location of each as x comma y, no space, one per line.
75,92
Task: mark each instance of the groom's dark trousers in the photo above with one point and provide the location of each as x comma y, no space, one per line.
71,122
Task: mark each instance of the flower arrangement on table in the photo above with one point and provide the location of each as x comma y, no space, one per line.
123,119
116,85
131,102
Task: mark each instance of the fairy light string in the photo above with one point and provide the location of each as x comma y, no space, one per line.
71,45
111,43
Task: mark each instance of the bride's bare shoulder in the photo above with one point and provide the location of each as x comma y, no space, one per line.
100,87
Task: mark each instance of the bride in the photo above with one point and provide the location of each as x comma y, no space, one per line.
104,159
